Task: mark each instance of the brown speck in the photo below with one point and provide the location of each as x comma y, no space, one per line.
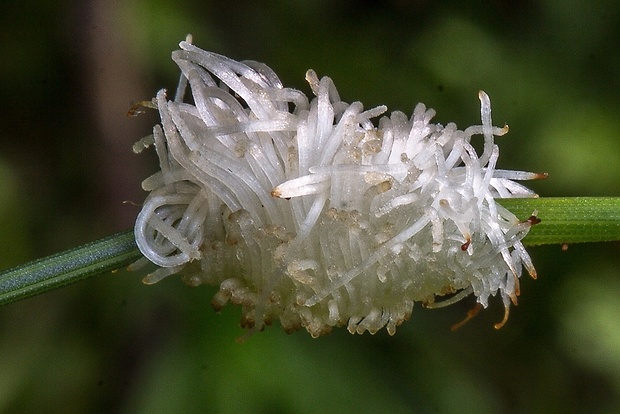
465,245
533,220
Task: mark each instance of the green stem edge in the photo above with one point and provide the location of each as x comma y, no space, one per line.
71,266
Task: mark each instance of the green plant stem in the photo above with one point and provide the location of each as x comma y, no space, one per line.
563,220
110,253
567,220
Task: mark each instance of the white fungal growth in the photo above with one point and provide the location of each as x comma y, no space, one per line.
308,212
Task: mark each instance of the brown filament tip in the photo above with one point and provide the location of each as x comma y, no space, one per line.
503,322
470,315
136,110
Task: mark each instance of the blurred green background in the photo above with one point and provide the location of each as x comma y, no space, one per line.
69,70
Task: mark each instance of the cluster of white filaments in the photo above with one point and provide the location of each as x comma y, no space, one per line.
309,213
